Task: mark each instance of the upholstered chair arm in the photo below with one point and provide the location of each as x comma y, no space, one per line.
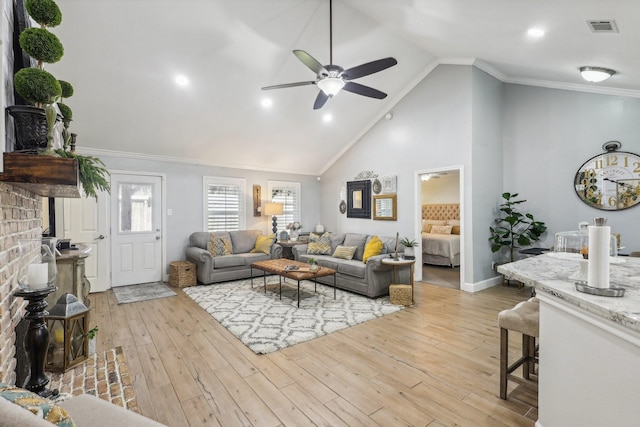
297,250
276,251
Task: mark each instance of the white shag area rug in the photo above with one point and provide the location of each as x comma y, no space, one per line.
264,323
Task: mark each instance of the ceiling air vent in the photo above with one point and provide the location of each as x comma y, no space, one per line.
603,26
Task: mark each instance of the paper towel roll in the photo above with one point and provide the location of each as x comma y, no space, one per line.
599,246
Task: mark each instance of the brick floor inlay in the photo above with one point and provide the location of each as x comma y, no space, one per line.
105,375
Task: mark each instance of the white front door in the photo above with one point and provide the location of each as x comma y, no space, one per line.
86,220
136,229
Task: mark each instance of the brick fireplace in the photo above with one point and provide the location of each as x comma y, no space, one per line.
20,217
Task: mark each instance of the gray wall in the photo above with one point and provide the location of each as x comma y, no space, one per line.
184,196
548,135
431,128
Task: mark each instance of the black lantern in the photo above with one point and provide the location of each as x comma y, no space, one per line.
68,343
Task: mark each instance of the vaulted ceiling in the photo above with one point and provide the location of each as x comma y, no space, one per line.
123,57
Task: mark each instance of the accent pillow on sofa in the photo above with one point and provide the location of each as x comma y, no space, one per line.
219,246
345,252
39,406
357,240
441,229
263,244
319,245
373,248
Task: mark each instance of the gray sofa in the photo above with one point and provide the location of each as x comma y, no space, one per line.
210,269
85,410
371,279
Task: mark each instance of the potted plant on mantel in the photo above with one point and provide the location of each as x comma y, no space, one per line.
35,85
514,229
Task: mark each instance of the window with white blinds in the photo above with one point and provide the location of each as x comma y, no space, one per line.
287,193
224,204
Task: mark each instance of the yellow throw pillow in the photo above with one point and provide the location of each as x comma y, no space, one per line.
263,244
219,246
373,248
345,252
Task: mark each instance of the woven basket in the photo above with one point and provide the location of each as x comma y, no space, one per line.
182,274
400,294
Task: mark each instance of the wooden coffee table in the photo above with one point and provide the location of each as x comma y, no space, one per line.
277,266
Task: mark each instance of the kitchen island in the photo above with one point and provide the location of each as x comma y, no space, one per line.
589,345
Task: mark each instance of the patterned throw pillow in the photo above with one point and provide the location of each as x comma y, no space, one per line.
319,245
39,406
373,248
263,244
345,252
219,246
441,229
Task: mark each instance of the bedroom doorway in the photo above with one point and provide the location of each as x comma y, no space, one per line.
439,198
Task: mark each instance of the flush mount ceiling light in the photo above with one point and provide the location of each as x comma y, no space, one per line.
596,74
428,176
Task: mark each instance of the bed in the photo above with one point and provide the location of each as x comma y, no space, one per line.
441,234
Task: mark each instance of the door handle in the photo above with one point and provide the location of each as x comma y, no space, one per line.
158,237
100,237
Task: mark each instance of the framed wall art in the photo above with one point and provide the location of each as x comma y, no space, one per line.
385,207
359,199
389,184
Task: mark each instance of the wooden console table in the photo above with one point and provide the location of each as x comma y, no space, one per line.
71,277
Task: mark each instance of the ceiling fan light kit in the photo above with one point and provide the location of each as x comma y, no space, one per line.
596,74
331,78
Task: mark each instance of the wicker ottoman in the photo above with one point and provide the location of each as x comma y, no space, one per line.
400,294
182,274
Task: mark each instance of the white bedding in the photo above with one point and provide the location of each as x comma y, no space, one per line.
444,245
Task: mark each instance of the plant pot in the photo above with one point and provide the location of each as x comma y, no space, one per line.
409,252
31,127
313,267
92,347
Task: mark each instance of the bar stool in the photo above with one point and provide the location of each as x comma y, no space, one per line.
523,318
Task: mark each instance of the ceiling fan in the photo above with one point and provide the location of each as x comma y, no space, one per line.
332,78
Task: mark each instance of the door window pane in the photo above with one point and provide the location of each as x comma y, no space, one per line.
135,208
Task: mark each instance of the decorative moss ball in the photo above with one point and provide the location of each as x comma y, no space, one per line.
41,44
44,12
67,89
37,86
66,112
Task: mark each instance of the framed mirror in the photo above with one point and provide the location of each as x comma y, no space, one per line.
385,207
359,199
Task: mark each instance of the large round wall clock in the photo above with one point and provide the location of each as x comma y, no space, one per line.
611,180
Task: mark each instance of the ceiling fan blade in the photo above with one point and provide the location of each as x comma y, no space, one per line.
288,85
368,68
321,99
310,62
364,90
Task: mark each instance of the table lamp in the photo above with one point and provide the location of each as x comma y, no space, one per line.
274,209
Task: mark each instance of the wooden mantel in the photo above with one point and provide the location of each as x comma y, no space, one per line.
44,175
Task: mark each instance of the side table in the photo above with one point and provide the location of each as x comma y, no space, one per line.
400,262
287,246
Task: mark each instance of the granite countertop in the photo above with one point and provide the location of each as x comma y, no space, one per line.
549,273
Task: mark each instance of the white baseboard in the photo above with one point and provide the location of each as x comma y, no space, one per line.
485,284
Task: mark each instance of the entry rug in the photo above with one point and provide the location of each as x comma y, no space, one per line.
105,375
143,292
264,323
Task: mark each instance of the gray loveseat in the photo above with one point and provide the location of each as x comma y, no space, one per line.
237,265
371,279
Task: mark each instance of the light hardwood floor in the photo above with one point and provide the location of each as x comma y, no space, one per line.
433,364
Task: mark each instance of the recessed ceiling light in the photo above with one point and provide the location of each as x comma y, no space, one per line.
267,102
596,74
535,32
327,118
182,80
